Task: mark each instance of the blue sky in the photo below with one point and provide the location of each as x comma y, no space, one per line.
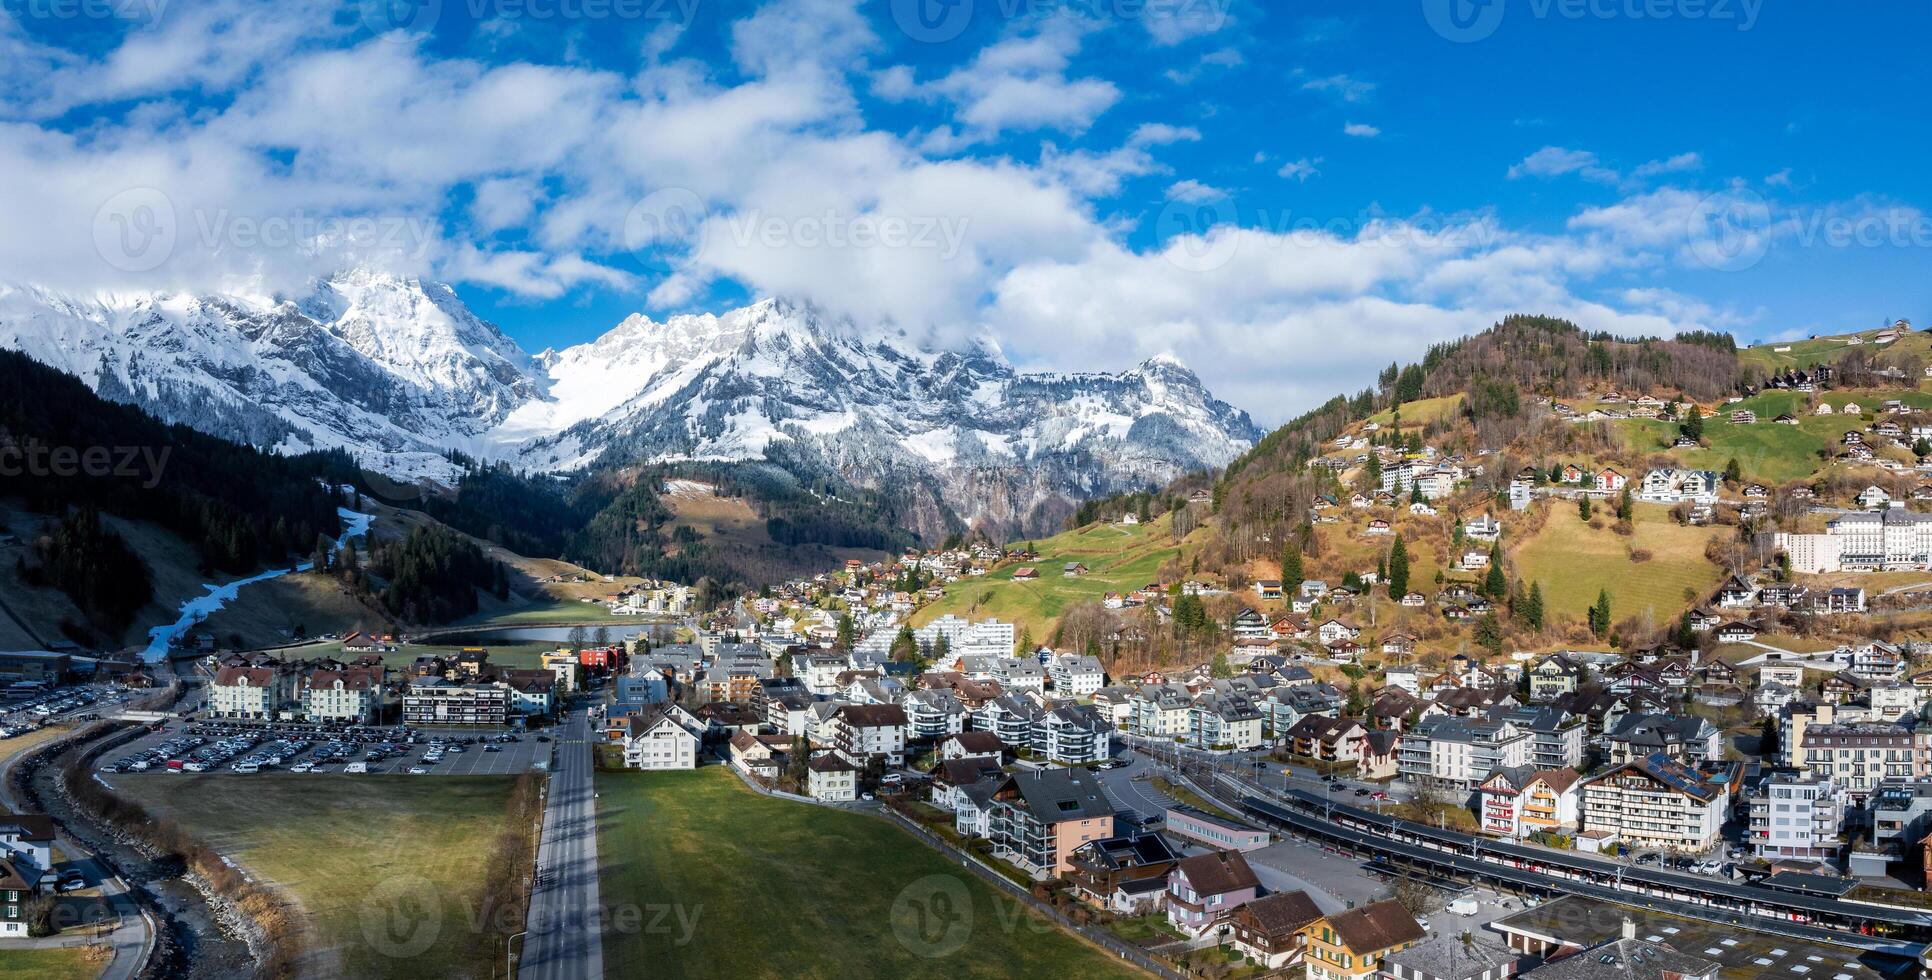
1286,196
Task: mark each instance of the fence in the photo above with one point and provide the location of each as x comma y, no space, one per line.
1099,937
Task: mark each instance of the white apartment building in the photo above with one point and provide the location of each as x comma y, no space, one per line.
1656,802
352,696
861,732
1671,486
1888,539
1459,753
247,692
1798,818
663,741
1858,756
1160,711
1076,676
989,638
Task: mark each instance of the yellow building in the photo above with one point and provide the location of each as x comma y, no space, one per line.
1350,945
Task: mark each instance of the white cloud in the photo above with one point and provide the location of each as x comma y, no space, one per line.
1173,23
1677,164
1020,83
1361,129
1343,87
1555,161
521,176
1194,192
1301,170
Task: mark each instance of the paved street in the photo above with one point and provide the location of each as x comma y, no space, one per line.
565,910
133,933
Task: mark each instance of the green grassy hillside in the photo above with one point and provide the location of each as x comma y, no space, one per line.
1118,559
1573,562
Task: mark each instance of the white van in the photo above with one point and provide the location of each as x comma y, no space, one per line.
356,767
1464,906
247,768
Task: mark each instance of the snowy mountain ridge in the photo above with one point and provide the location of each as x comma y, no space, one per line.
398,371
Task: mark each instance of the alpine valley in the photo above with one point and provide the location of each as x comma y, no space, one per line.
400,373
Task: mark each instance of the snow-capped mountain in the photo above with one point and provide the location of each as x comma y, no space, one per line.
397,371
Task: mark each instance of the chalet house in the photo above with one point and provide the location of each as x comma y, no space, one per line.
1703,620
1204,890
1335,630
1326,739
1268,588
1352,945
1736,593
1610,481
1744,416
1269,930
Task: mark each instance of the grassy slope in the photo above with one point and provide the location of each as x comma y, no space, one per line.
334,841
1119,559
792,890
1766,451
1805,353
49,964
1422,410
1574,562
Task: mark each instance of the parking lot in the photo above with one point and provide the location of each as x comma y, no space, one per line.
22,712
240,750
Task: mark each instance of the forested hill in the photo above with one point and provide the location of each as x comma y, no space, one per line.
66,451
1522,355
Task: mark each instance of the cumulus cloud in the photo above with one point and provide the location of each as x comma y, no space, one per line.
675,181
1300,170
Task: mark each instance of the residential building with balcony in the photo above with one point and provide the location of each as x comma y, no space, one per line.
1858,756
1656,802
1458,753
1796,817
1224,721
1039,819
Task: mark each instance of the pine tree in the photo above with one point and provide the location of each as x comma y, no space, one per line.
1732,472
848,632
1624,508
1693,426
1291,571
1495,586
1600,615
1399,569
1533,607
1489,633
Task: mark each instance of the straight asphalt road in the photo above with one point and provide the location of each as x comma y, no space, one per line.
565,940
